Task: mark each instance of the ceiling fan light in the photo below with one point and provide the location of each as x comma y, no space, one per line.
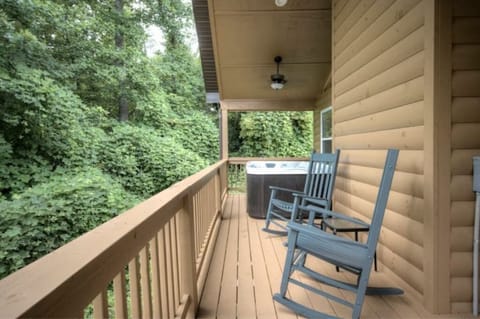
280,3
276,85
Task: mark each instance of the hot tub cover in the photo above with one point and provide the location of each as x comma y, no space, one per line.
276,167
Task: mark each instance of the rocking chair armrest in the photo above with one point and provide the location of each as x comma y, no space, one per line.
329,213
318,234
283,189
311,199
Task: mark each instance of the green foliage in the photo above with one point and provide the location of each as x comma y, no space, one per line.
5,150
62,74
45,118
17,174
194,130
180,76
270,134
174,17
155,111
234,140
144,161
198,133
50,214
237,178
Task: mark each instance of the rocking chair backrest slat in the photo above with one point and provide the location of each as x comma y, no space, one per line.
382,198
320,178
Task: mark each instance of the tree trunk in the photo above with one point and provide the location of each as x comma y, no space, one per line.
119,44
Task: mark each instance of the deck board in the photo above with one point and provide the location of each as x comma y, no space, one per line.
265,307
211,291
227,304
246,271
246,293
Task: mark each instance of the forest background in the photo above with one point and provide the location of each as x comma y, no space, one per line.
91,124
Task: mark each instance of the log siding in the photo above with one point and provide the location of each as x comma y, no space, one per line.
378,79
465,139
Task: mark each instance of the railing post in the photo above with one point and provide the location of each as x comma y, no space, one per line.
224,134
186,248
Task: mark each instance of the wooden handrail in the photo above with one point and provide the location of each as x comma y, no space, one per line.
64,282
244,160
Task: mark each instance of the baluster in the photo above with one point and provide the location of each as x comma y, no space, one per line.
134,276
119,289
145,283
164,288
156,294
168,251
175,264
100,305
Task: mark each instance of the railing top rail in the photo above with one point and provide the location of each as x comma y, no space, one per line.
244,160
78,270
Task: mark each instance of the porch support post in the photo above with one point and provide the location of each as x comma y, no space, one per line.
437,154
224,131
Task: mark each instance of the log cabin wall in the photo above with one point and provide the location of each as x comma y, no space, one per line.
465,139
378,102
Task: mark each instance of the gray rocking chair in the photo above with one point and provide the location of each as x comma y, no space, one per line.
319,184
307,240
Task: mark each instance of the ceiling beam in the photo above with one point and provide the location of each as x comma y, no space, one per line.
269,105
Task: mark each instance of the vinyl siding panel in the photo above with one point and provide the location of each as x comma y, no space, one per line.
378,104
465,144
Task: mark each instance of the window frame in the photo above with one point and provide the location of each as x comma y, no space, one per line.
322,138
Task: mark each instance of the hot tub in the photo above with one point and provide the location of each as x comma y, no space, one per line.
263,174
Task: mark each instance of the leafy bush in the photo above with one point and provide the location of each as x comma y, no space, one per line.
195,130
154,111
275,134
46,119
19,171
17,174
5,149
51,214
146,162
198,133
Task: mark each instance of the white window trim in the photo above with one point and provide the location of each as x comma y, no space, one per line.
322,139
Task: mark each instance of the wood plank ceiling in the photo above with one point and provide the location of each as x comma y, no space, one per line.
239,39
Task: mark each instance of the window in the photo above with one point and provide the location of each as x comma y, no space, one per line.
326,130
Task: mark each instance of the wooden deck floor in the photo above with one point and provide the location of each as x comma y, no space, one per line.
246,270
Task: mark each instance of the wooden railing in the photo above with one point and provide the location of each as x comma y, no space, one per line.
151,261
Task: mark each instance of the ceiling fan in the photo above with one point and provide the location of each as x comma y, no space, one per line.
278,80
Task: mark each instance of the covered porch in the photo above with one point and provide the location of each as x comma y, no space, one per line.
403,74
